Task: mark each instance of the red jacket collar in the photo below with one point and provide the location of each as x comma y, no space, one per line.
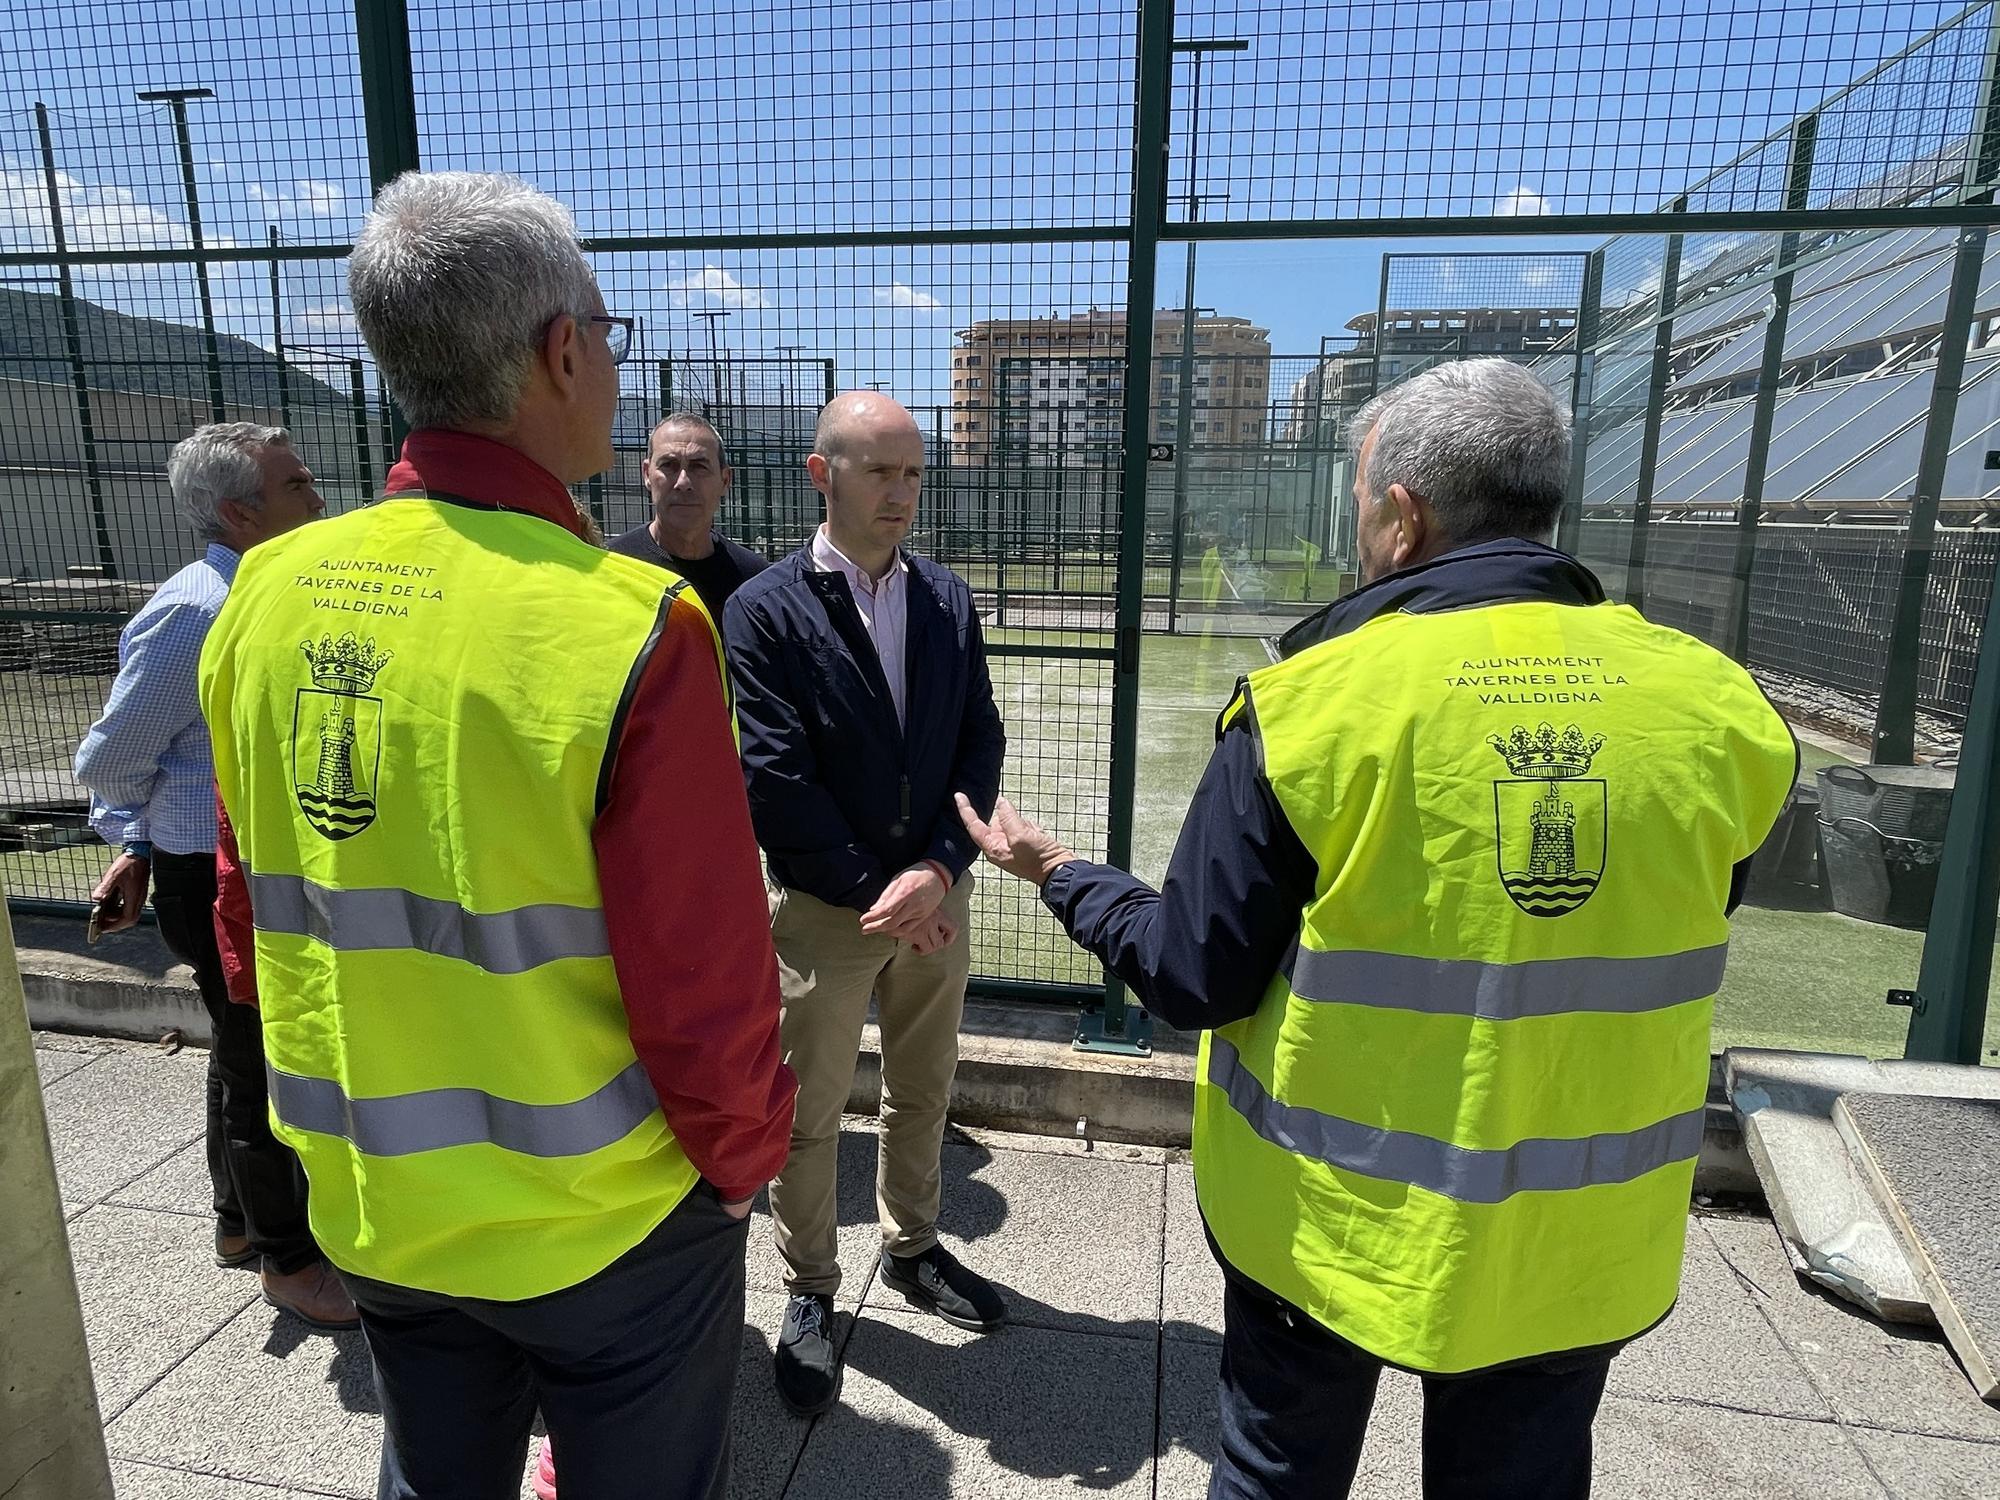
469,467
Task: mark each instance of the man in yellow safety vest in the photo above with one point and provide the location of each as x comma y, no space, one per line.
490,872
1449,908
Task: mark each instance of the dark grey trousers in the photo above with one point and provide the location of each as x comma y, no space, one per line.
634,1371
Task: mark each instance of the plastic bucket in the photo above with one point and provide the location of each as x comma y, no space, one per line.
1881,835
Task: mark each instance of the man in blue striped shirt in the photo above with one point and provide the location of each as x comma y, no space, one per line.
151,777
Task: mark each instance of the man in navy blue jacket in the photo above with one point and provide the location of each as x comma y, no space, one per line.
865,709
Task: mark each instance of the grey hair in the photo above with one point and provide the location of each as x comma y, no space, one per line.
216,464
1483,440
455,278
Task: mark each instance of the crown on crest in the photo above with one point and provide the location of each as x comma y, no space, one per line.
345,665
1546,755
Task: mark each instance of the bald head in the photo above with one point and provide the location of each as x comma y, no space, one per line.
854,419
868,461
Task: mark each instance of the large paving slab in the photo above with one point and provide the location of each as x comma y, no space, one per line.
53,1062
930,1410
151,1294
1873,1374
1834,1230
1191,1283
1716,1347
265,1400
1926,1468
1934,1166
1072,1238
123,1115
178,1185
1659,1451
137,1481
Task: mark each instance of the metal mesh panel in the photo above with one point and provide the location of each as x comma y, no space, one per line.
797,117
1376,111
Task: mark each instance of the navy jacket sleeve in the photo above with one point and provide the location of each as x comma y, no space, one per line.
982,747
795,816
1200,951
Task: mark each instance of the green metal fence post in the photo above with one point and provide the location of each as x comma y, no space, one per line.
1764,411
364,448
79,373
389,112
1569,531
278,338
176,101
1119,1027
1896,706
1656,402
1948,1016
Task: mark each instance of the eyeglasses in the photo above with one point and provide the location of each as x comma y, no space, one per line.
618,336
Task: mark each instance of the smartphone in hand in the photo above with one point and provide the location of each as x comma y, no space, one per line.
108,908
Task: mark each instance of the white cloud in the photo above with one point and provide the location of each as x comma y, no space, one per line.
330,319
897,294
1540,274
713,284
94,217
324,200
1521,204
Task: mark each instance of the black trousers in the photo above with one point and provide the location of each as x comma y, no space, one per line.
260,1189
1295,1401
634,1371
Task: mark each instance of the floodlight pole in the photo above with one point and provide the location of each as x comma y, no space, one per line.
278,337
712,316
1198,48
176,101
79,373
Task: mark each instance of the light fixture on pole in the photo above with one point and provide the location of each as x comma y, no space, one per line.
176,101
1198,48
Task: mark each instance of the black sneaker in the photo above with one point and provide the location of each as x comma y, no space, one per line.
808,1363
936,1282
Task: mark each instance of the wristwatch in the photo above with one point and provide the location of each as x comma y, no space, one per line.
139,849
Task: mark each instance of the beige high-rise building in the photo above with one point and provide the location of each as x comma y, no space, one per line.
1052,390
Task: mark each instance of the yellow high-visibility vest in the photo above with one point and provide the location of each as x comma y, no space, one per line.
1461,1128
413,708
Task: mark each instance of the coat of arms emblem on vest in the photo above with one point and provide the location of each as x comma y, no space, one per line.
1549,818
337,735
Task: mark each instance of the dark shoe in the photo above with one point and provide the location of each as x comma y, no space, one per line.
314,1296
936,1282
233,1252
808,1365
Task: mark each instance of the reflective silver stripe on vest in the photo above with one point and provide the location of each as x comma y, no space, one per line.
1460,1172
500,942
434,1119
1508,992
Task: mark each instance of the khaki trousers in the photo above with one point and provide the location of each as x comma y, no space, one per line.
827,969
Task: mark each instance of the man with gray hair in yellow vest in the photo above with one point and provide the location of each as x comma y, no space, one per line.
1449,908
490,872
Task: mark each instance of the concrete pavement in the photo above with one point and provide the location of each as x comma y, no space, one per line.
1104,1381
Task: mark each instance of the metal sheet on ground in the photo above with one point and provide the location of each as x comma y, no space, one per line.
1934,1165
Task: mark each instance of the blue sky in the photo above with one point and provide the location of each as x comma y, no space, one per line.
822,115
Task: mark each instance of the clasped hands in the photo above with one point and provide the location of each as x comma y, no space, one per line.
908,911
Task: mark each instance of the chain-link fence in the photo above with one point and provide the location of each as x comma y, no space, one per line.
966,207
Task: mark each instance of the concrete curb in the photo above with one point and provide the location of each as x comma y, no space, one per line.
1017,1070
